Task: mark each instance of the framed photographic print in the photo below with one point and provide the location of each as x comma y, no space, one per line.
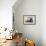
29,19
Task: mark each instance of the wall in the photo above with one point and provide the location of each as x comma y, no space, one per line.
43,22
6,13
28,7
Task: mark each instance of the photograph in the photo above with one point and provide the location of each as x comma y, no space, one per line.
22,22
29,19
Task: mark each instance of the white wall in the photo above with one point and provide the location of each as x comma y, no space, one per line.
29,7
6,13
34,32
43,22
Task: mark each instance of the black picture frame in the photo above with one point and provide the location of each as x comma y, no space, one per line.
29,19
